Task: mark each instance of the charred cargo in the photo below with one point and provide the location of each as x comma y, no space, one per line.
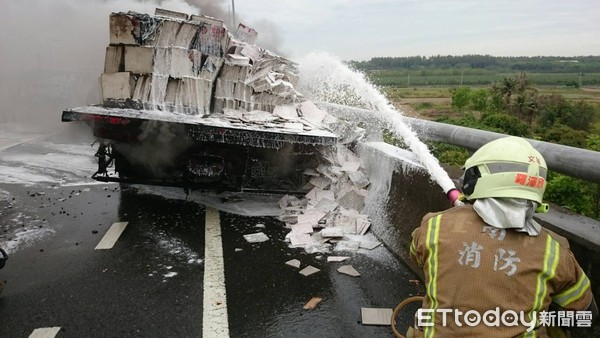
186,103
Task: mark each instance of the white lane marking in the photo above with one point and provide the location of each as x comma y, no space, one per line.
214,318
45,332
111,236
8,143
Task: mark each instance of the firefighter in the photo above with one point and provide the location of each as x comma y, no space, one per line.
492,258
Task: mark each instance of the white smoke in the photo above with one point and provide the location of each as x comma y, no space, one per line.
53,52
161,144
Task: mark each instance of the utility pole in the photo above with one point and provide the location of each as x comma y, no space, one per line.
232,15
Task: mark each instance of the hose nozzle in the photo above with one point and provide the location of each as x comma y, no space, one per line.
542,208
455,197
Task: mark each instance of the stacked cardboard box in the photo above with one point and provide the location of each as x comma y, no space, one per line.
166,61
191,64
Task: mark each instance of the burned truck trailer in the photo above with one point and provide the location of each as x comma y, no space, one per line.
186,103
141,147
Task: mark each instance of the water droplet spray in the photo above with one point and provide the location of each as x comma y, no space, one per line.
323,77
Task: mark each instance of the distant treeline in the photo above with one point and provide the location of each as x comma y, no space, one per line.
537,64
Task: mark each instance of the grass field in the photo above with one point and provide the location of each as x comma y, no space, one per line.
433,101
475,77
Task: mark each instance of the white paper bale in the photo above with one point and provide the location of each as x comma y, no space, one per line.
116,85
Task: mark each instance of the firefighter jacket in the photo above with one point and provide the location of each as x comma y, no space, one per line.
469,265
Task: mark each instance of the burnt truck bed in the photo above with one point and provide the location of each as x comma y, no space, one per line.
218,152
216,128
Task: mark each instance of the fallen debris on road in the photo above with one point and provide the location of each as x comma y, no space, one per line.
348,270
312,303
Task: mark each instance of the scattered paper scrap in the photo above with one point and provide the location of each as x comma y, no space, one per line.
256,238
359,179
352,198
311,113
326,205
348,270
309,270
312,303
287,112
351,166
362,225
302,228
320,182
332,232
259,116
374,316
299,238
288,200
324,194
259,225
238,249
310,172
311,217
347,246
312,194
337,258
293,126
317,238
325,169
293,262
369,245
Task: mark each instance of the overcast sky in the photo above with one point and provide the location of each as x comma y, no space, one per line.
361,29
53,50
72,34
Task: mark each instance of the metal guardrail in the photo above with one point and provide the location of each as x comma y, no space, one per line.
571,161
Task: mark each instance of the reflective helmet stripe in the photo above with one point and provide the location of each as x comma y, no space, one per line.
503,167
508,167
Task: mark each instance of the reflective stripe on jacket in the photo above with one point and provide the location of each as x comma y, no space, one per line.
469,265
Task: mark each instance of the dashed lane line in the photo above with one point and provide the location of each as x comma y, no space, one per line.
9,143
214,319
45,332
111,236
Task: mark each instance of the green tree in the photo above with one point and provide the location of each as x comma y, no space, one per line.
568,192
525,105
580,116
522,83
507,124
461,97
505,89
466,120
516,96
593,143
448,154
479,99
562,134
555,109
552,108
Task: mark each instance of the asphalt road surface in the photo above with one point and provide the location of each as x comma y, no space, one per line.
89,259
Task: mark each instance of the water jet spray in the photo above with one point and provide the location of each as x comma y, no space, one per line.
325,78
